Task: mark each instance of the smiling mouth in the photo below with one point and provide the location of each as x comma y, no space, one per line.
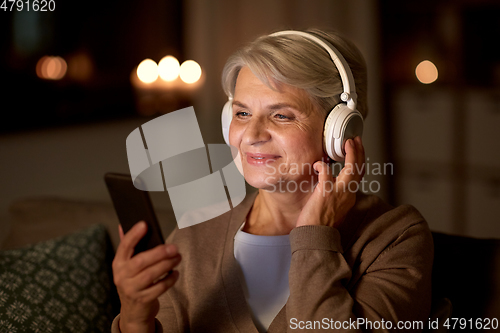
258,159
261,156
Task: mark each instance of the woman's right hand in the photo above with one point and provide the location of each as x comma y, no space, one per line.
139,281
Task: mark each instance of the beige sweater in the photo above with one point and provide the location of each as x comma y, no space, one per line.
376,267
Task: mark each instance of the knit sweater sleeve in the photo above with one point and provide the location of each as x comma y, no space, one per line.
394,287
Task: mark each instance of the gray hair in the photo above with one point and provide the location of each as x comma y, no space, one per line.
299,62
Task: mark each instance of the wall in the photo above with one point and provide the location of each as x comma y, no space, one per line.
67,162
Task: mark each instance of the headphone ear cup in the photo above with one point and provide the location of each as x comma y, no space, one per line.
341,125
226,117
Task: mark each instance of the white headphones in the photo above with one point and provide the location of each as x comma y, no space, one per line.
343,122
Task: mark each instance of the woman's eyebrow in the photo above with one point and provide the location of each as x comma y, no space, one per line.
241,105
272,107
279,106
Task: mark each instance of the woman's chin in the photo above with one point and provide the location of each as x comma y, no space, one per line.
262,183
280,185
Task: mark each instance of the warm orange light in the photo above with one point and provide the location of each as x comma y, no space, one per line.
190,71
169,68
426,72
147,71
80,67
39,66
51,68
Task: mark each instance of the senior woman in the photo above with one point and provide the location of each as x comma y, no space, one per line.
318,256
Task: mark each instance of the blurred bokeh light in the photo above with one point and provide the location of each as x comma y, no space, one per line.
190,71
169,68
426,72
147,71
51,68
80,67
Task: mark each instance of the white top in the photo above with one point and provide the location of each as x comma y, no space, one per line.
264,262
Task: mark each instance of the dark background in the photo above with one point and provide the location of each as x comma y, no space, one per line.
116,35
59,137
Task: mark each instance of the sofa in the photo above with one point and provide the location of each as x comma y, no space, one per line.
55,265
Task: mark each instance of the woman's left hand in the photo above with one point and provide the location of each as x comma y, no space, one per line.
333,197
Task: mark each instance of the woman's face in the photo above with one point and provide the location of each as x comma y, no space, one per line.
278,134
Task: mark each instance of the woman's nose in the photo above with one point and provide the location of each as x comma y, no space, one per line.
256,132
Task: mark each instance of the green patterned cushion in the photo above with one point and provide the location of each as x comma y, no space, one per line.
61,285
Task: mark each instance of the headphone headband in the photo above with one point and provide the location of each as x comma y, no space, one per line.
349,95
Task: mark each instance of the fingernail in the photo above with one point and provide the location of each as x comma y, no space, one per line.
171,250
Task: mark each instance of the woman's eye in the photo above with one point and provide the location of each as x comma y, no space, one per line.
242,114
280,116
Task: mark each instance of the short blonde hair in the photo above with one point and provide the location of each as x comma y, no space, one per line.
300,62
